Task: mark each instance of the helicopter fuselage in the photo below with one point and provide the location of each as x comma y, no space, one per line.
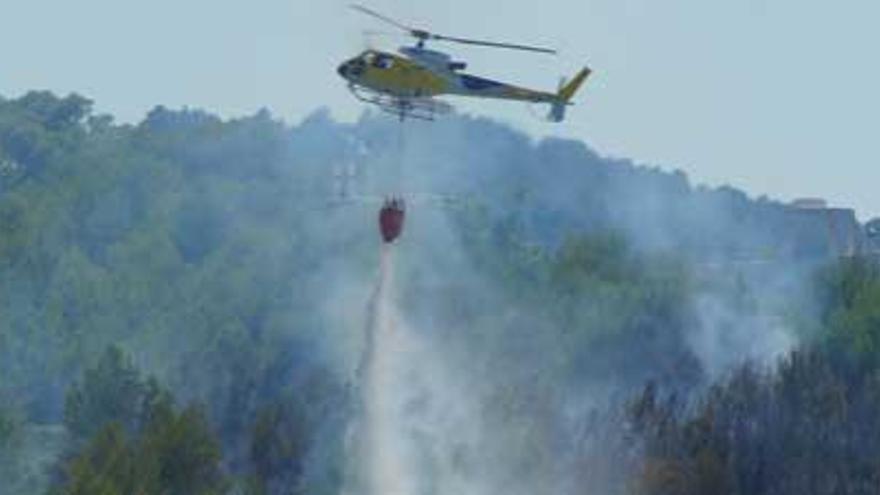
426,74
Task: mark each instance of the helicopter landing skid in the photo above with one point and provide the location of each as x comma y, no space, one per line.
403,107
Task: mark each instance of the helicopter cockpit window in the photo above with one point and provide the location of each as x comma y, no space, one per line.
381,61
356,67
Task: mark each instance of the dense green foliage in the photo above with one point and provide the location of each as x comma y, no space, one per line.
126,436
143,239
184,296
176,454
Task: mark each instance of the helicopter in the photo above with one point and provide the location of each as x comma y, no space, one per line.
406,85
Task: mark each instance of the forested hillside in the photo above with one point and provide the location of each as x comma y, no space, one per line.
182,305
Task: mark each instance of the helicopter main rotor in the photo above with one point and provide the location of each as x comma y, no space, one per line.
423,35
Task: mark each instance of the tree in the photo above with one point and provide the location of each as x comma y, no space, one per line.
53,112
10,444
112,391
279,444
9,427
185,452
108,465
176,455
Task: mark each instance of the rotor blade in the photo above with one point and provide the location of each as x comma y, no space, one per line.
423,35
386,34
373,13
493,44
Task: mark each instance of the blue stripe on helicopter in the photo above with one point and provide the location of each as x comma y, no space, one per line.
478,83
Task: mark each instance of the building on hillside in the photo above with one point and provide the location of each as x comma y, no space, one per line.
872,233
820,230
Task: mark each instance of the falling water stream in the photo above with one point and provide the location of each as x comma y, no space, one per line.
415,432
380,451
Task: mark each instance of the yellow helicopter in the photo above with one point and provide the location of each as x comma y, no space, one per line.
407,86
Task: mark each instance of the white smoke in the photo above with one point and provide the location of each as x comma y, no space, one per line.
430,419
725,338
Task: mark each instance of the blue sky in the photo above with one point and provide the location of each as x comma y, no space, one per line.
777,97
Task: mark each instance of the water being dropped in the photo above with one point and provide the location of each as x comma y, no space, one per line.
411,435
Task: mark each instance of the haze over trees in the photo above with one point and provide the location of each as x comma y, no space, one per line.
180,304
